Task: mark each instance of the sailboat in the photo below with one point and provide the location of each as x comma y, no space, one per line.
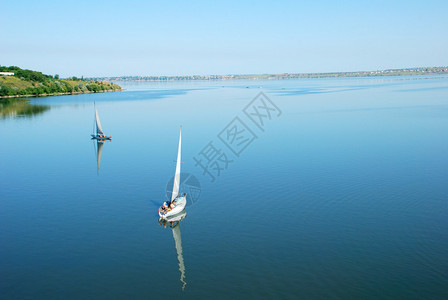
177,203
99,135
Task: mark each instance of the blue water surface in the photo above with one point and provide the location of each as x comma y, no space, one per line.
314,189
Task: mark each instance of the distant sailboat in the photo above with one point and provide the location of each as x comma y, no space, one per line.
98,133
177,203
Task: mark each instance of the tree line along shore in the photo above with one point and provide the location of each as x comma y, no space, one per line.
17,82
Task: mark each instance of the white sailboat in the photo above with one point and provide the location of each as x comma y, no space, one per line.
99,134
177,203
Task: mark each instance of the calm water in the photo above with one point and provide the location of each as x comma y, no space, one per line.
341,192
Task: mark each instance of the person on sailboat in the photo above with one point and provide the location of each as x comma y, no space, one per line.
169,204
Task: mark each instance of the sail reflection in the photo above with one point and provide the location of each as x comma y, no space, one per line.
98,145
174,224
16,108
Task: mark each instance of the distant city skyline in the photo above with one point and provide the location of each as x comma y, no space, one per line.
131,38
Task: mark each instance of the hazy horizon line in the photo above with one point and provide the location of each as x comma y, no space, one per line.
276,74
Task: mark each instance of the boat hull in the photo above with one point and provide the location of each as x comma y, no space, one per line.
180,206
177,217
96,137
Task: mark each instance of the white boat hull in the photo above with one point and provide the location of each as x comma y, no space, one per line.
180,206
177,217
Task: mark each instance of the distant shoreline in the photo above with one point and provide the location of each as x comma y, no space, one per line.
380,73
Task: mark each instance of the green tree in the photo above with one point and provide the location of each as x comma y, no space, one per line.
4,90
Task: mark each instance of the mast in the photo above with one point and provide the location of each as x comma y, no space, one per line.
176,183
94,118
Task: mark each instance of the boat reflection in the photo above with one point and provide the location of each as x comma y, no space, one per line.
98,145
174,223
16,108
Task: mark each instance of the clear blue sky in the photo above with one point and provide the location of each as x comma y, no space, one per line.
101,38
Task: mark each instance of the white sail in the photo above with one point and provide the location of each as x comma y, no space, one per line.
99,130
180,258
177,174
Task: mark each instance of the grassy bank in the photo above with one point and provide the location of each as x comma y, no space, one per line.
27,83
